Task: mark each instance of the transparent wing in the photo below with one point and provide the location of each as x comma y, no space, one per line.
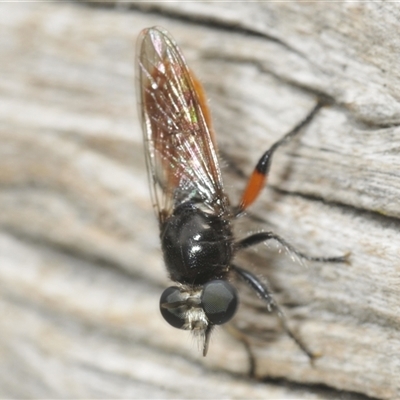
180,153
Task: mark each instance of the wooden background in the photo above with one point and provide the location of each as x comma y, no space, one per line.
80,265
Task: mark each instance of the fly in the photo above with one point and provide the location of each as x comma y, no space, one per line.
194,214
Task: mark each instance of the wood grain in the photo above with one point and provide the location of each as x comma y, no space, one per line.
80,265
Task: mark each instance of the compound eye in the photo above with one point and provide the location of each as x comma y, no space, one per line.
219,300
171,307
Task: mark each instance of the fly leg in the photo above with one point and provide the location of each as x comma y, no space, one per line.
260,174
264,236
261,289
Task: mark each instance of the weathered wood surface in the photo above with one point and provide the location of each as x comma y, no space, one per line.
80,265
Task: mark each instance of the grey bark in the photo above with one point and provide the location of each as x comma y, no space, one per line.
80,266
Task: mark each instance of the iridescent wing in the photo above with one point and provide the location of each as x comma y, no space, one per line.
180,152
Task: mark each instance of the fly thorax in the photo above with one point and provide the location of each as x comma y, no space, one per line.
197,245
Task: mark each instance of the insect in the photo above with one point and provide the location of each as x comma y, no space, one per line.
193,210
